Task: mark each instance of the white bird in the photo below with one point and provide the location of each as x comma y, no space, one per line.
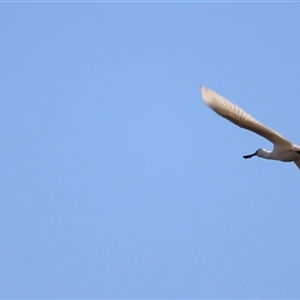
283,149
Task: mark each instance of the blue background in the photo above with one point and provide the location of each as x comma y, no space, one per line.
117,181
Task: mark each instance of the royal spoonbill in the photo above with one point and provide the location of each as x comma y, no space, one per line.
283,150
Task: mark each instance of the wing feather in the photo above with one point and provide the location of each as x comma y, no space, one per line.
297,162
236,115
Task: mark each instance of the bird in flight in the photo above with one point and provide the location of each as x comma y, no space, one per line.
283,149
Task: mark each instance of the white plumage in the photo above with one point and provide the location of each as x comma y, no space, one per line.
283,149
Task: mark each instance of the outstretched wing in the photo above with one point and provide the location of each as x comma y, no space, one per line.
236,115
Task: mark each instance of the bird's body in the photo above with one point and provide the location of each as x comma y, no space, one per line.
283,149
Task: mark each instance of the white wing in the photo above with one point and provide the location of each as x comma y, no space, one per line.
239,117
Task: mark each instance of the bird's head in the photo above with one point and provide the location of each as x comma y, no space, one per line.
261,152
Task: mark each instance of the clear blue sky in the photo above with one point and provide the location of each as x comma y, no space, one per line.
117,181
